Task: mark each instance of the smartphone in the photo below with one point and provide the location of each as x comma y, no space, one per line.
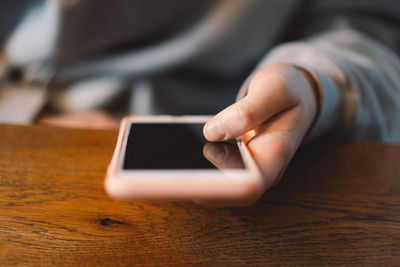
168,157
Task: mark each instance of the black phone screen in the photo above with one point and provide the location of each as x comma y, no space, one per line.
177,146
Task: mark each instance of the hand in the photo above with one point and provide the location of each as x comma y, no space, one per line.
275,115
225,156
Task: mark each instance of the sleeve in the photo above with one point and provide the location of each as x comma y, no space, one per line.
350,49
359,83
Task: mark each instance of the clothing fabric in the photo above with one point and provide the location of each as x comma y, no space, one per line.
196,54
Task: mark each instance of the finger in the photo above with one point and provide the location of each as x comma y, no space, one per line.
275,144
223,155
272,148
268,95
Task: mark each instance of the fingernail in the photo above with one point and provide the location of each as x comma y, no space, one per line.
215,131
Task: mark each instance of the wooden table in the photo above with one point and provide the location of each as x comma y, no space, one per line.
337,204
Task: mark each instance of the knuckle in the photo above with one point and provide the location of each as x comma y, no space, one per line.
274,78
281,86
258,79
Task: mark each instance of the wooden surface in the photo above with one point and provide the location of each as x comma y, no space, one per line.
337,204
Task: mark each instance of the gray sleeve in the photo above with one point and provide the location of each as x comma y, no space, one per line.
351,48
359,82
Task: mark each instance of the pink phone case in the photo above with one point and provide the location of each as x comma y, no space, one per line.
188,184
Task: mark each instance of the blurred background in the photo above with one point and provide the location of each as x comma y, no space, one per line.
88,63
101,60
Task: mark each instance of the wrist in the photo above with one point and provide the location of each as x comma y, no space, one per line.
317,96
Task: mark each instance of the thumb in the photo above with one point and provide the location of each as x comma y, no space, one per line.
268,95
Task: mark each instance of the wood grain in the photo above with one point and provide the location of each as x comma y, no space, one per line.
338,204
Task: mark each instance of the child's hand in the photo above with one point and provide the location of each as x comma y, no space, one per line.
280,107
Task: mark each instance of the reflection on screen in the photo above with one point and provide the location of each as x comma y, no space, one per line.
177,146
